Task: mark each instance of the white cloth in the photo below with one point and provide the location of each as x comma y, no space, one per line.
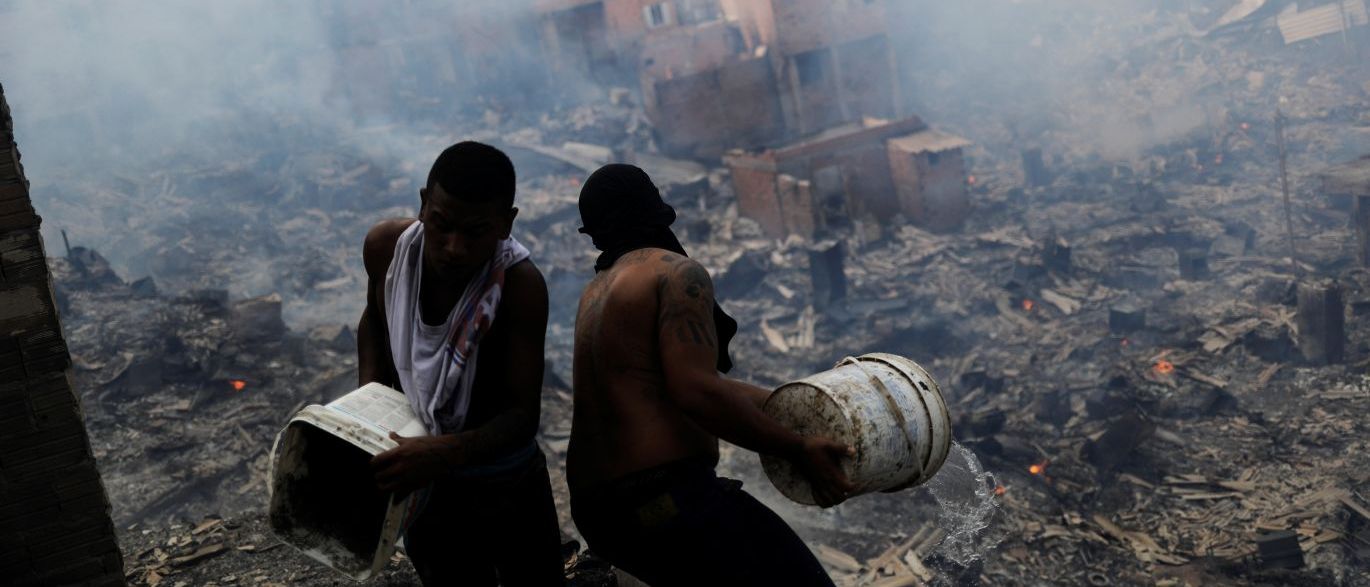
437,364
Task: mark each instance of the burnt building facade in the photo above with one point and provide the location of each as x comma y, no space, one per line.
719,74
871,170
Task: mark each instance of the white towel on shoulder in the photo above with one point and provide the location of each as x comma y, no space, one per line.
437,364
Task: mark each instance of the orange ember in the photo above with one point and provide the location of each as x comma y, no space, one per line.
1164,367
1000,490
238,384
1037,468
1028,305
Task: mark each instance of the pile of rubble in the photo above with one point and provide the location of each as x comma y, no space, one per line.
1159,389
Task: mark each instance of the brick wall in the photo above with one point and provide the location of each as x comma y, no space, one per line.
704,114
757,20
783,189
805,25
55,527
754,183
680,51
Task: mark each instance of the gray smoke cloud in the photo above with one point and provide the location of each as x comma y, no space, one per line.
127,79
109,93
1059,71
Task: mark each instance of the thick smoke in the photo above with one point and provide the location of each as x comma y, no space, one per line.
1057,72
223,144
128,80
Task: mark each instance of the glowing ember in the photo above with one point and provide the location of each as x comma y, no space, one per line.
1164,367
1000,490
1037,468
1028,305
238,384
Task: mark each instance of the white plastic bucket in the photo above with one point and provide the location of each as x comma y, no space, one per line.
324,500
885,406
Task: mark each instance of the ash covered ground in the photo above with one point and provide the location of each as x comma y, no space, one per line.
1143,426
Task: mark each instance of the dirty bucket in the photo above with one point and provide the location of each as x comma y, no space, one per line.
885,406
324,499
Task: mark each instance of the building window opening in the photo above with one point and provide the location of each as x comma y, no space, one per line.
812,66
657,15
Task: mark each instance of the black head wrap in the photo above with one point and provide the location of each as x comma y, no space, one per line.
622,211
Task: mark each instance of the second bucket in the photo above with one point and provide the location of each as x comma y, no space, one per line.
885,406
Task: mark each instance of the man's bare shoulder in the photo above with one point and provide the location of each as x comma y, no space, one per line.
379,246
680,270
525,285
650,261
661,273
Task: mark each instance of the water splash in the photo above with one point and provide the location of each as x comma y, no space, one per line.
967,507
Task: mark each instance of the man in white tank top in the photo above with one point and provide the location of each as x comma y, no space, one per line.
455,318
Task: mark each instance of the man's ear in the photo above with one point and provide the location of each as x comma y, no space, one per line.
423,199
509,222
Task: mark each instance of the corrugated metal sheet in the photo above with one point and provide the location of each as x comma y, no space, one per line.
1323,20
1242,10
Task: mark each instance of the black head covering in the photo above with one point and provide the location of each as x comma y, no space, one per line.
622,211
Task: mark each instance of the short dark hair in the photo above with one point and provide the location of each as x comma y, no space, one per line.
474,172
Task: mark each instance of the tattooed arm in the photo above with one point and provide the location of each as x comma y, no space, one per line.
725,407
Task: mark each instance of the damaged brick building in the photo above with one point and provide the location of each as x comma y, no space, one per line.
809,90
863,171
719,74
809,86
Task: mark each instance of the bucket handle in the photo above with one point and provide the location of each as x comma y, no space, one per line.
926,410
898,414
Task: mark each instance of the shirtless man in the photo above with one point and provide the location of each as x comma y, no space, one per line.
651,404
489,518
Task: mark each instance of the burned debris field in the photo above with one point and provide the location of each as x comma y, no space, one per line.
1130,243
